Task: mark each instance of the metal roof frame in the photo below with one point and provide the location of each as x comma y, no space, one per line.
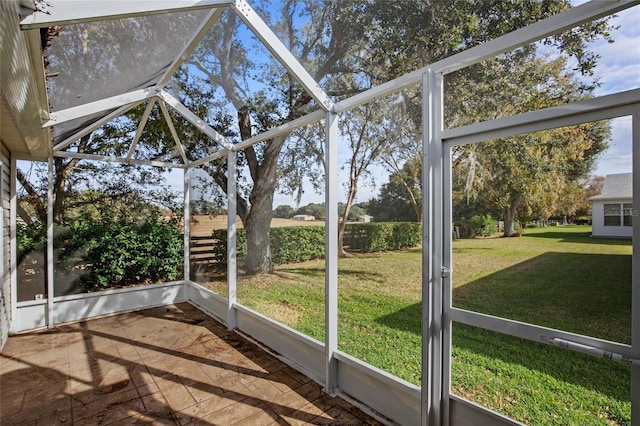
60,12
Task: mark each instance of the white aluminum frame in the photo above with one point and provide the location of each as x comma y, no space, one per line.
338,372
57,13
606,107
331,253
87,130
174,132
431,252
246,13
635,274
232,265
101,105
194,119
143,122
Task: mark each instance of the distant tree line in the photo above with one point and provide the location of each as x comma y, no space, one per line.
317,210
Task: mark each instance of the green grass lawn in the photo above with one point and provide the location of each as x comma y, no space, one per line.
558,277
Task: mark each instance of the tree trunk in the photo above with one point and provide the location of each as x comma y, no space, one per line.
258,221
24,214
257,226
510,215
353,189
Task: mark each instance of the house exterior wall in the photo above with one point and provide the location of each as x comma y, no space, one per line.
597,220
5,245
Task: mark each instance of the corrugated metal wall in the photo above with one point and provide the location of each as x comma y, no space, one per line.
5,244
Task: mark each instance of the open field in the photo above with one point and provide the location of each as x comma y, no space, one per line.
558,277
202,225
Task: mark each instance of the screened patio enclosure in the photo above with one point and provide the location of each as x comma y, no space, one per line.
74,69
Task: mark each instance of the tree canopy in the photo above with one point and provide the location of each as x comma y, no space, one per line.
348,46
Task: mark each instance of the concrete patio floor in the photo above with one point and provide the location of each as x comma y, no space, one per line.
172,365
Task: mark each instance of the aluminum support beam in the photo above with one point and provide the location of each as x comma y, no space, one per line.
187,224
285,128
49,252
141,125
204,160
199,34
63,12
71,139
93,157
232,266
194,119
174,133
106,104
537,31
535,333
431,399
331,254
614,105
280,51
635,273
13,205
447,280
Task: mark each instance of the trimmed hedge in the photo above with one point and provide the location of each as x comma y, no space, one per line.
288,245
296,244
372,237
300,243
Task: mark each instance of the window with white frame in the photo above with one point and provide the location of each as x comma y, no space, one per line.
627,214
618,214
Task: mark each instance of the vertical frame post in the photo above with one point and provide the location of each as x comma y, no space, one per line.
13,325
2,234
50,202
635,271
186,212
432,272
231,240
447,278
331,253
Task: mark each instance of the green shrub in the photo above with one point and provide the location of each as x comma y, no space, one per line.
29,238
406,235
372,237
123,252
368,237
300,243
117,253
288,245
296,244
477,225
127,253
220,246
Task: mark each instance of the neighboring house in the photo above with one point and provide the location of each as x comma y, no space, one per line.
612,212
303,217
366,218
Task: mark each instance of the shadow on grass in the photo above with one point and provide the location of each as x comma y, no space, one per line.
600,375
576,237
319,272
588,294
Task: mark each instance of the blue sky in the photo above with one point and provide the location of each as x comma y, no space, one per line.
619,70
